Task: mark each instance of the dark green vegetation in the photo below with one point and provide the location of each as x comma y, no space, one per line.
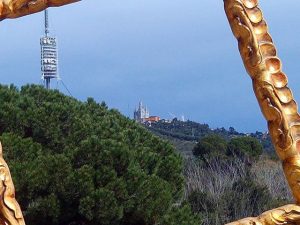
229,175
79,163
185,135
215,147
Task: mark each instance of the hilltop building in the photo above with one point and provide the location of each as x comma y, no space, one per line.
152,119
142,115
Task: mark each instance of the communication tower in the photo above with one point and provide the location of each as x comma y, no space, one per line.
49,56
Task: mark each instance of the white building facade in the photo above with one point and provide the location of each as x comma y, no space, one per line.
141,113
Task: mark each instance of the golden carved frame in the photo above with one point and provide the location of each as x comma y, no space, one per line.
274,97
269,83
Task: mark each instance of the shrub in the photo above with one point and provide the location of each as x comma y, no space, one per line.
244,147
210,146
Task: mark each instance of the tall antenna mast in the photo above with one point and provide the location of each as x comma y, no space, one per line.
46,23
49,56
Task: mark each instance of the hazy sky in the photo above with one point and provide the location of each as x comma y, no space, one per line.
177,56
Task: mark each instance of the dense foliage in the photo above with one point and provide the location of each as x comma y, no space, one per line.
189,130
214,146
79,163
185,134
232,179
210,146
244,147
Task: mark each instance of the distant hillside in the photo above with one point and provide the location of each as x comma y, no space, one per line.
185,135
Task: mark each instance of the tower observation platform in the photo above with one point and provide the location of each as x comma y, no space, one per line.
49,55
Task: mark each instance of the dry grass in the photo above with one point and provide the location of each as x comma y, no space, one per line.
216,178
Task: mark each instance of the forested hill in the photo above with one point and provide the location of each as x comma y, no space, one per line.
185,134
80,163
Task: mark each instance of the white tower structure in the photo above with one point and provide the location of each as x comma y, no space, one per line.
49,56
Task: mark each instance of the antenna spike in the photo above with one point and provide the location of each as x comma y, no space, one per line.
46,22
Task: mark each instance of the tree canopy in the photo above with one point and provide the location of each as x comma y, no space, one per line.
244,146
210,146
214,146
78,163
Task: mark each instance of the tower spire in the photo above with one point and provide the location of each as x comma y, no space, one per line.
46,23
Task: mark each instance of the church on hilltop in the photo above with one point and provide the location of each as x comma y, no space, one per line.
142,115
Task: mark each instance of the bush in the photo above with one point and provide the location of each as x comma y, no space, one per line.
210,146
181,216
246,198
244,147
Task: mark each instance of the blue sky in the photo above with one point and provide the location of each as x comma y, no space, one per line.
177,56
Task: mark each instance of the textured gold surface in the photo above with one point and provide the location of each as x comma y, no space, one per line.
275,99
288,215
10,212
18,8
